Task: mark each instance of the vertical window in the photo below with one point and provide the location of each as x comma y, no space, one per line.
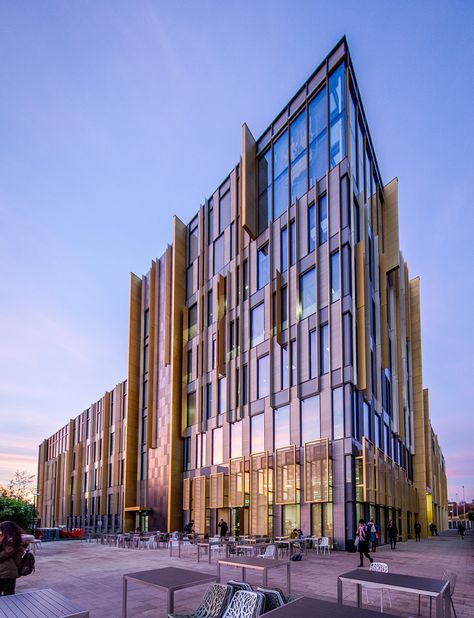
236,439
190,366
284,307
217,445
192,321
224,211
310,419
346,270
335,277
191,407
189,282
377,430
262,267
324,348
307,293
292,243
221,395
257,325
318,150
347,338
245,385
193,241
360,159
293,362
257,436
264,190
209,400
210,224
323,219
284,249
298,184
210,308
313,355
367,432
219,255
337,125
353,133
338,413
281,426
246,279
284,367
263,376
311,229
280,175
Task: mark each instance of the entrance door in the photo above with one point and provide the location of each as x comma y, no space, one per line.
239,521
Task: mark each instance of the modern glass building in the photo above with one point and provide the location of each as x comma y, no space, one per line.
274,369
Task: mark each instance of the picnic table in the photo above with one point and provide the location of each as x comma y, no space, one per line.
435,588
169,579
36,603
306,607
256,564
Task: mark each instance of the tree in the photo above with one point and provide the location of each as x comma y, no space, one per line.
20,487
15,499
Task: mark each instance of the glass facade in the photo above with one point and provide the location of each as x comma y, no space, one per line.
263,376
257,433
307,293
257,325
280,176
310,419
281,426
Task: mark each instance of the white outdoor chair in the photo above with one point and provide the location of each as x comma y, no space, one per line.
324,545
245,604
447,576
379,567
270,552
149,543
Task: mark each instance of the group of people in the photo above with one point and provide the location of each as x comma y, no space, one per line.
222,525
12,549
367,537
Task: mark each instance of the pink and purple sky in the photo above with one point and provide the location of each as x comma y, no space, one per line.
117,115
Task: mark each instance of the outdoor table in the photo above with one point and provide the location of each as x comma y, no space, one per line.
169,579
44,602
206,546
257,564
179,542
306,607
254,548
437,588
291,543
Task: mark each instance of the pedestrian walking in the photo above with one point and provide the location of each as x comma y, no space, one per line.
374,534
461,530
392,534
223,527
11,552
417,532
362,542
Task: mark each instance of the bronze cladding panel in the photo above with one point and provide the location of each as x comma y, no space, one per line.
391,243
167,316
105,451
398,300
152,317
175,494
360,307
383,310
249,183
133,390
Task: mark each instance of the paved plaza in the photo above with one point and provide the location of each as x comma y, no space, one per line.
91,574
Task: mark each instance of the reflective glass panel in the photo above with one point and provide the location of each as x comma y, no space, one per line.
337,413
281,426
311,228
337,146
313,355
284,367
263,376
236,439
323,219
218,445
335,277
308,293
191,408
318,155
310,419
324,349
262,267
257,438
284,249
257,325
280,175
224,211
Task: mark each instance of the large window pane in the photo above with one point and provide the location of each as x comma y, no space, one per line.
294,360
192,321
218,445
292,243
280,175
337,131
337,413
193,241
311,228
353,133
308,293
323,219
263,376
313,355
191,408
298,156
318,154
262,267
310,420
281,426
224,212
264,190
284,249
219,255
257,325
221,395
257,440
335,277
236,439
284,367
324,349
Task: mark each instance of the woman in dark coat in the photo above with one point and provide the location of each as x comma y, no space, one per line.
392,534
11,551
363,536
